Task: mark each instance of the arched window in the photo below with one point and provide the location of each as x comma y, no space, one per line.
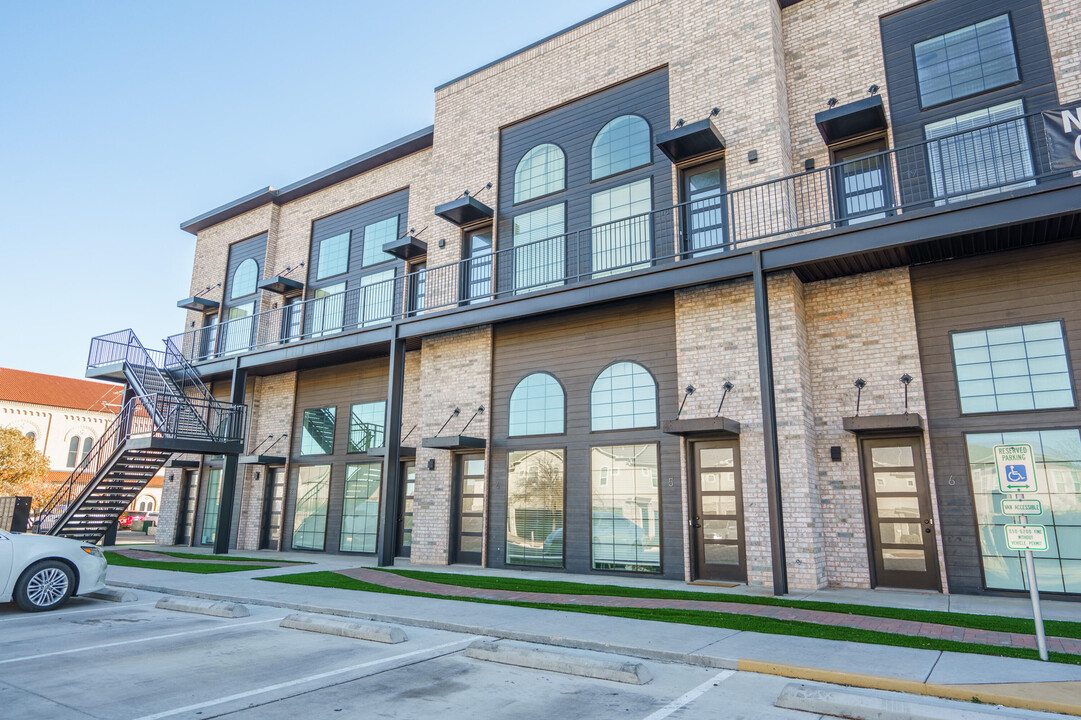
88,443
73,451
539,172
622,144
624,396
536,406
244,279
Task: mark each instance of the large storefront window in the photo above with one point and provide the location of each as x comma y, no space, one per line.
1058,477
535,508
360,513
626,508
310,516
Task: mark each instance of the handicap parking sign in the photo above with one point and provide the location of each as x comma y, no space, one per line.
1016,468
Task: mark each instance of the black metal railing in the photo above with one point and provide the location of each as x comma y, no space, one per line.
1007,154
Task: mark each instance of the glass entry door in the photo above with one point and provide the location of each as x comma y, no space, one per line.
704,213
272,509
717,521
470,503
405,509
899,513
189,498
213,504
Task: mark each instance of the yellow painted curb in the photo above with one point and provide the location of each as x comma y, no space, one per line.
883,682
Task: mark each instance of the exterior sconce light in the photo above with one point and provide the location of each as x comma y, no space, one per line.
431,463
873,90
831,102
752,156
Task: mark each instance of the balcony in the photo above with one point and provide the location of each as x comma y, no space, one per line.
841,203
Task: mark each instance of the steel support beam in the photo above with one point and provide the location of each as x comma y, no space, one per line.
228,475
769,429
386,543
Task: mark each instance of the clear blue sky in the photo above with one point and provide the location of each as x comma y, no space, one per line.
120,120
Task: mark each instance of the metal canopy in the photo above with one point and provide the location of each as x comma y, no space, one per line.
261,460
692,427
843,122
454,442
870,424
466,209
406,248
690,141
403,451
281,285
197,304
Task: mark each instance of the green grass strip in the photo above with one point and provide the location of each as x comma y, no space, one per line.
749,623
198,568
225,558
1055,628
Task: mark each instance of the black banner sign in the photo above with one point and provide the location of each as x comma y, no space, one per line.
1063,130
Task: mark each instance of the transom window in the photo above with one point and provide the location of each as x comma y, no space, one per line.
539,172
623,396
376,236
536,406
244,279
1023,367
366,422
965,62
333,256
317,436
622,144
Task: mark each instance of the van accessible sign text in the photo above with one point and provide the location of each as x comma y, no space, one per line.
1063,130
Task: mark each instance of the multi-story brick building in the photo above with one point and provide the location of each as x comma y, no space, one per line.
731,291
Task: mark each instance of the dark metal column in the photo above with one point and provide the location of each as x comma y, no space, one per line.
228,474
392,465
769,429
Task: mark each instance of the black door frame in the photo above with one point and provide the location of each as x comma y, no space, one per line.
400,549
268,504
189,495
693,507
454,552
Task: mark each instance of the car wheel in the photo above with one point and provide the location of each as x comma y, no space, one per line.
45,585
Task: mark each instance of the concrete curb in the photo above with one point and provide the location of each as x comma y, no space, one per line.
113,595
796,672
568,663
345,628
857,706
203,607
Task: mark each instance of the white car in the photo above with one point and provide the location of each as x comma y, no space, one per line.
40,572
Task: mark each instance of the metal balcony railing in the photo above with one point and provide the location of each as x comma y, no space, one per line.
1007,154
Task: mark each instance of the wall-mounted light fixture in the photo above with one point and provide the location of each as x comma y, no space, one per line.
831,102
431,463
809,164
873,90
752,156
835,453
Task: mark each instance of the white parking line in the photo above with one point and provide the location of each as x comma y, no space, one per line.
53,615
216,628
691,695
301,681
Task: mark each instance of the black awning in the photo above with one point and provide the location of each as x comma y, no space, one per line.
863,117
403,452
871,424
454,442
690,141
281,285
197,304
178,463
406,248
701,426
261,460
466,209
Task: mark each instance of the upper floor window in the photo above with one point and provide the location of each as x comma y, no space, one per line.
968,61
244,279
536,406
540,172
622,144
376,236
317,437
1023,367
88,444
366,422
73,451
624,396
333,256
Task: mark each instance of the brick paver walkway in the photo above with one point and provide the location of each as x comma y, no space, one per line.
888,625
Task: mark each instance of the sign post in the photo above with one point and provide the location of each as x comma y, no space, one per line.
1017,474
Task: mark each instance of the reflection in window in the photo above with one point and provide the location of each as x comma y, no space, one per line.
626,508
366,422
376,236
478,277
317,433
535,508
705,210
360,513
244,279
376,298
310,513
621,228
1058,477
623,396
536,406
1023,367
622,144
88,443
333,256
213,503
966,62
73,451
538,249
539,172
328,312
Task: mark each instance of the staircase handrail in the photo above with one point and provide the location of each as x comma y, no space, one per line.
188,373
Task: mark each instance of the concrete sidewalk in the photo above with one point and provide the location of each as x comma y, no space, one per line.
1029,684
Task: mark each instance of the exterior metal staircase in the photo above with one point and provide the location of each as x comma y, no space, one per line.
167,409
